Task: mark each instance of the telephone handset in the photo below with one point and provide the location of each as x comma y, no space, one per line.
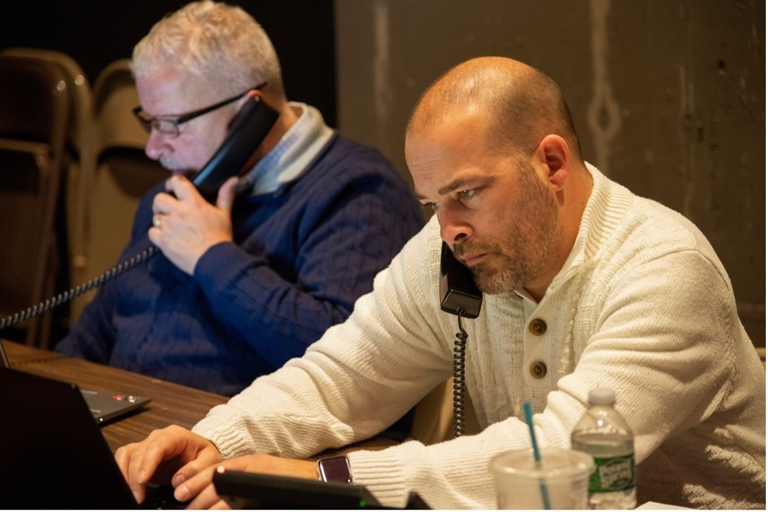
458,291
459,295
245,132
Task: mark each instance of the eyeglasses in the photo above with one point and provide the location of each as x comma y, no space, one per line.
169,125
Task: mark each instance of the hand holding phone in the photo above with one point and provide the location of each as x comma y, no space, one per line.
187,225
189,229
246,131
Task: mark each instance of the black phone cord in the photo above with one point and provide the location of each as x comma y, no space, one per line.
79,290
459,384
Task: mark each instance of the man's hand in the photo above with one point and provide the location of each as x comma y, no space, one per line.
170,455
200,488
186,226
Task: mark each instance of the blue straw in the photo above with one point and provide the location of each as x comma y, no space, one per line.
536,454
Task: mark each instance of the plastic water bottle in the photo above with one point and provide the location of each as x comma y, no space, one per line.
603,434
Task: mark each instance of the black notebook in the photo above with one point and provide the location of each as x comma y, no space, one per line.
52,453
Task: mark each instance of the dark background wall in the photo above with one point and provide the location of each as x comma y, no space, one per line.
97,32
668,95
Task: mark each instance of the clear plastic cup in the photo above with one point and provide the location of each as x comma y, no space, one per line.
560,481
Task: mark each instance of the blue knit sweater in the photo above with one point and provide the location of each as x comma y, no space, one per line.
301,256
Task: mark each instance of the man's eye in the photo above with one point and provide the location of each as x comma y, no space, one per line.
431,205
467,194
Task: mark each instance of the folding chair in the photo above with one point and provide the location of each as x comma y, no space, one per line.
34,120
80,145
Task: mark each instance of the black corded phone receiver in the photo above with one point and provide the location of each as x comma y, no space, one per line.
245,132
460,296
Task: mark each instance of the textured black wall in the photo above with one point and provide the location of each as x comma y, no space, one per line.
668,96
97,32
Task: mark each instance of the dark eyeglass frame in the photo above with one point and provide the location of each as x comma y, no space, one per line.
149,122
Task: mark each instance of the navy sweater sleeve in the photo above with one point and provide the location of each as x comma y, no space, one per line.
349,215
93,336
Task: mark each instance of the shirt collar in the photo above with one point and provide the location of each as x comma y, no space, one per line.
292,154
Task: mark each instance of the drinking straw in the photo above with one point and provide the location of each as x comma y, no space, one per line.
536,455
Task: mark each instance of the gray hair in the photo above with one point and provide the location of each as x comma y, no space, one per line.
220,43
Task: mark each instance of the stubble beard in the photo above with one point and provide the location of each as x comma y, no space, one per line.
175,168
531,241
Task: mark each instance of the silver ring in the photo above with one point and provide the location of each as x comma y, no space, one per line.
156,221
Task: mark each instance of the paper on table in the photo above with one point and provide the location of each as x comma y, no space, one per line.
652,505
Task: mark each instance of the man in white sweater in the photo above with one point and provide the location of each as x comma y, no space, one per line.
586,285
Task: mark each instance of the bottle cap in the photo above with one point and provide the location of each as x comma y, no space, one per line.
602,396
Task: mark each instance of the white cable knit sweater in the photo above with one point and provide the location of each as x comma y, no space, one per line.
643,306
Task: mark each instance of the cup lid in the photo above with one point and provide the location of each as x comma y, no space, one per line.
555,463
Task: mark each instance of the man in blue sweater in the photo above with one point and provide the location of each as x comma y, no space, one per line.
249,282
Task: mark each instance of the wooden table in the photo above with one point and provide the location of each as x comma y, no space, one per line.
171,403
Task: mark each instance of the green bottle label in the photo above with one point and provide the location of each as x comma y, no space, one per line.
613,474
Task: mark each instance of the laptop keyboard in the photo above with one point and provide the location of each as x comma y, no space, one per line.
160,497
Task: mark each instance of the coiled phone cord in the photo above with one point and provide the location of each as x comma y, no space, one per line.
459,385
79,290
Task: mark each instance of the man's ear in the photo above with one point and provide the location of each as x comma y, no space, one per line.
555,153
252,92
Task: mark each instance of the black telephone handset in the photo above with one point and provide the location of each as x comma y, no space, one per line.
459,295
458,290
245,132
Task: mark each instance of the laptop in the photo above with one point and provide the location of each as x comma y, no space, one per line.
52,453
104,405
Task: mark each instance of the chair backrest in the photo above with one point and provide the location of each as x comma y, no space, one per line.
121,175
26,179
114,97
35,103
79,141
81,119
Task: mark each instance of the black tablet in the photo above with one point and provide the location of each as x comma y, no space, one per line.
246,490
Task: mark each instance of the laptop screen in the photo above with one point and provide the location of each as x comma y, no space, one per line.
53,454
104,405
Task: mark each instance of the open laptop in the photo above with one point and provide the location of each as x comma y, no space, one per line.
104,405
52,453
53,456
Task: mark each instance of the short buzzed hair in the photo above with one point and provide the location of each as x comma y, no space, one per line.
527,104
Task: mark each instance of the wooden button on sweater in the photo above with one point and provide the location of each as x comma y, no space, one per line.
537,326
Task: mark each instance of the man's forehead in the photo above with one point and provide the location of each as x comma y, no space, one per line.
449,135
431,116
172,92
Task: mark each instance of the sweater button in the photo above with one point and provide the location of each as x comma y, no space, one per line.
538,370
537,326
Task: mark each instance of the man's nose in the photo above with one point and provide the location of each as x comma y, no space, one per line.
454,226
155,146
